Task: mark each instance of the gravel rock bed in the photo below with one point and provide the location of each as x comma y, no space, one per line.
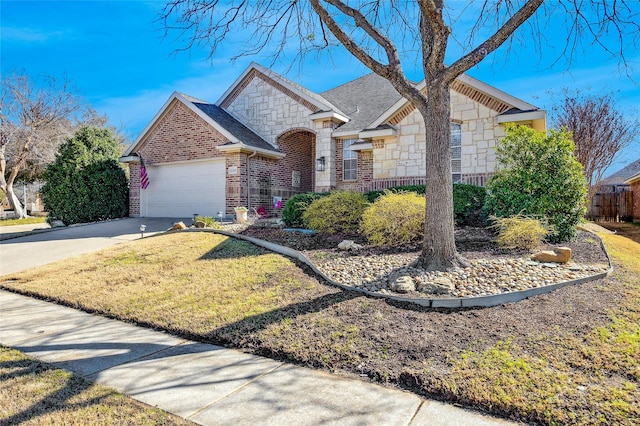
482,278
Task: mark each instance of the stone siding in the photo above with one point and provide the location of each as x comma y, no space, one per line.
404,156
268,111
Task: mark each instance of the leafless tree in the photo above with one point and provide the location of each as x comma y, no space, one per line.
384,35
599,130
34,119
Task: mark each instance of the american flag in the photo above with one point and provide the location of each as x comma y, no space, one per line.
144,177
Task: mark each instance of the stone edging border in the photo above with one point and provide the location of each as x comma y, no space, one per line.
459,302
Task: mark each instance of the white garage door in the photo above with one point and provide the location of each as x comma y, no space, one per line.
180,190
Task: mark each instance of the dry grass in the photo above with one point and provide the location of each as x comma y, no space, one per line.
563,378
626,229
570,357
190,283
25,221
34,393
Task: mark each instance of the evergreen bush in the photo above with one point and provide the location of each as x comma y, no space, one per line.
468,201
295,207
540,177
85,183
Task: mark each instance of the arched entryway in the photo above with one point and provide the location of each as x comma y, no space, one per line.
299,147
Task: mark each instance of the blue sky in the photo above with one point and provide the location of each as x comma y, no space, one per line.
115,53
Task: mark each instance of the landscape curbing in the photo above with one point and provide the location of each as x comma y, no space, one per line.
448,303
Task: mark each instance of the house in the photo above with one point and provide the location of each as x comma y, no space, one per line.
634,187
617,196
267,138
617,181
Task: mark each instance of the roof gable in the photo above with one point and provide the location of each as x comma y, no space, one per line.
622,175
213,115
311,100
474,89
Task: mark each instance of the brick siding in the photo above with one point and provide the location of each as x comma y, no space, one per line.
635,189
134,189
181,135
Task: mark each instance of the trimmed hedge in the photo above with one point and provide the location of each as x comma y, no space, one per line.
85,183
468,201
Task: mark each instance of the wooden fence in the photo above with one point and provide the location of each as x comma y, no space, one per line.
611,207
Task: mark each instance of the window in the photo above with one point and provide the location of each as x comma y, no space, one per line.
456,152
349,161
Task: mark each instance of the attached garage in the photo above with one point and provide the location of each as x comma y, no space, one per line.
180,190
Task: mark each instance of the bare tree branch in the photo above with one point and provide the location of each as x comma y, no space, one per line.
599,130
33,120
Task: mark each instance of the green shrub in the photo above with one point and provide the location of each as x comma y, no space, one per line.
394,219
295,207
468,201
208,221
339,212
540,177
85,183
520,232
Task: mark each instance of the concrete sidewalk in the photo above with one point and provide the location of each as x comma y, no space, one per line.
208,384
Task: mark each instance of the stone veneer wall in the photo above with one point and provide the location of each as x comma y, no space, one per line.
268,111
401,160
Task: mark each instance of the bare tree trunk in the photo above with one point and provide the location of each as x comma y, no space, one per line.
439,250
15,204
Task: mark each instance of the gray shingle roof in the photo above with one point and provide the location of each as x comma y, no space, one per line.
233,126
363,100
625,173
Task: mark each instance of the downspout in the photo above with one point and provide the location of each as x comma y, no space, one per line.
249,181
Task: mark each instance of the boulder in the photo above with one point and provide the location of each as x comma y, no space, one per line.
57,224
177,226
349,245
439,285
558,255
199,224
401,283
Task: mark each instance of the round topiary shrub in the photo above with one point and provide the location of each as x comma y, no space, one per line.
295,207
394,219
339,212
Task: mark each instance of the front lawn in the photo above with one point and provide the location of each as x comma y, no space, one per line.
571,356
36,393
25,221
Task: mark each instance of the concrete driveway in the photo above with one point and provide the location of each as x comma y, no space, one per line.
19,254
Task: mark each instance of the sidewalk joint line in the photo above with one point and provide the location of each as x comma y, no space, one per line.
415,414
238,389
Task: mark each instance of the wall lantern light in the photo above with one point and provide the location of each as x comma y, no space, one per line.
320,164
